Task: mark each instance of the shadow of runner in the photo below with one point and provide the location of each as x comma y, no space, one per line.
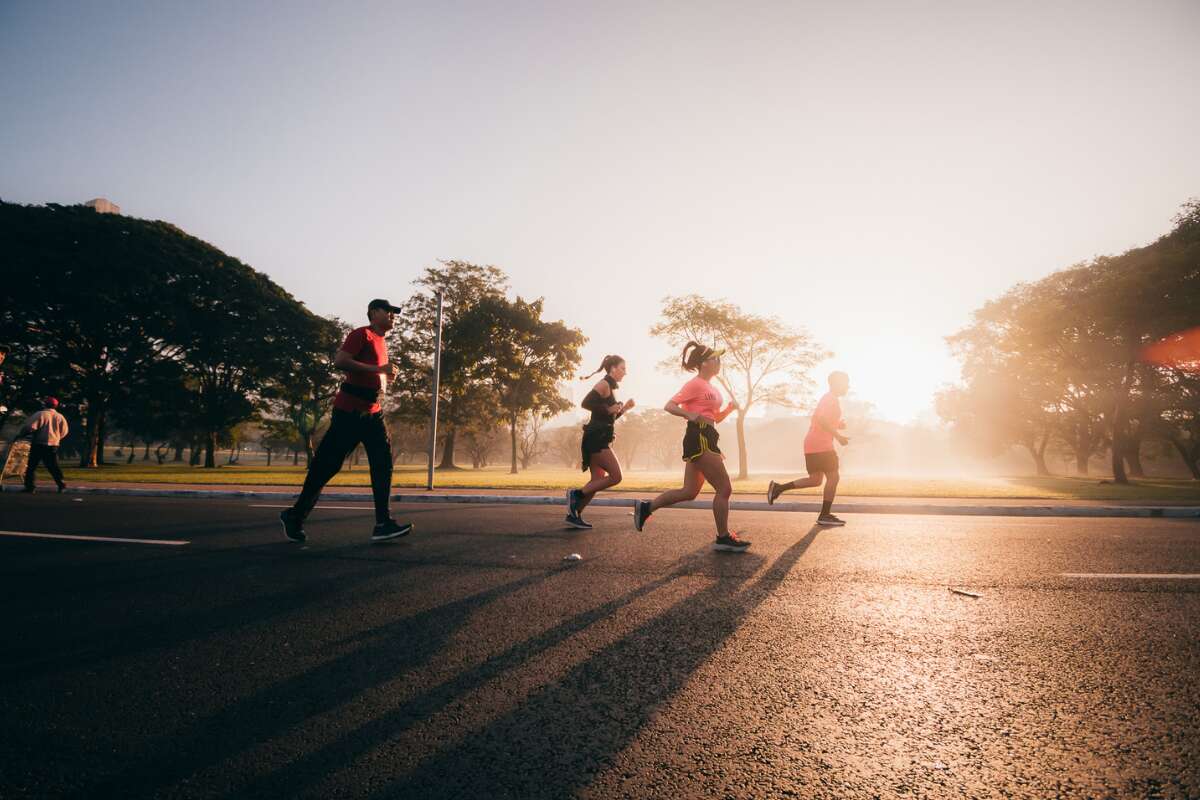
562,736
399,647
40,659
291,779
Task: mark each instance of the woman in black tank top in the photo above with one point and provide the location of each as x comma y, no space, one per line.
598,435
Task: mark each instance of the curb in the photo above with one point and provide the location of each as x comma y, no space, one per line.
1168,512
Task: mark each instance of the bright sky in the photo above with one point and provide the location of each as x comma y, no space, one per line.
871,171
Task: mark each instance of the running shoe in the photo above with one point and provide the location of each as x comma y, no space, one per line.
293,526
576,521
730,543
386,531
830,520
641,513
773,492
573,502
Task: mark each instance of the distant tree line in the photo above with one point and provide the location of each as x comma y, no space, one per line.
152,336
1056,365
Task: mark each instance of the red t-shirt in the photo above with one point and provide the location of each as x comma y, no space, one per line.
365,345
829,411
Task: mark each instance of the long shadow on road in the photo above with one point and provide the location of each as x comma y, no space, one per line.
292,778
562,736
399,647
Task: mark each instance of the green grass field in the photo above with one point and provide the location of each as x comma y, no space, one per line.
1147,490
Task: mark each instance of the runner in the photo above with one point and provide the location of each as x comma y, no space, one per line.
820,458
598,435
356,417
699,402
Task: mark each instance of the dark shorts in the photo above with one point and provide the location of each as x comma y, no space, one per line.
595,439
821,462
700,438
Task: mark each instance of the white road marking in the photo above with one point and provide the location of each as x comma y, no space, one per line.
27,535
1162,576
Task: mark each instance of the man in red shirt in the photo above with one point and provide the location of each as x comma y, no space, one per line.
356,417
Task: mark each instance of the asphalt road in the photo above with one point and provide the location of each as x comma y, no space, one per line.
469,660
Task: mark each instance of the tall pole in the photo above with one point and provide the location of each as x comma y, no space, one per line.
437,382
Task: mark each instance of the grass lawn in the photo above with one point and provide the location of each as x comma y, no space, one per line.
1146,489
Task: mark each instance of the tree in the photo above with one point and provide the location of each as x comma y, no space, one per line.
482,441
765,360
1063,355
105,299
522,357
89,310
302,393
530,443
278,436
564,444
465,396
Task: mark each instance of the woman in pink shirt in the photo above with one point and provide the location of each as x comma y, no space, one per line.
699,402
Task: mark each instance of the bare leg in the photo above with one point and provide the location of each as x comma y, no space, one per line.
712,466
814,479
831,484
606,473
693,479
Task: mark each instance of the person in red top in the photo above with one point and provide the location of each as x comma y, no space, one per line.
357,417
820,458
699,402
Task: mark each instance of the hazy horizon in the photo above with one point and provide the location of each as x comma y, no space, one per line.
870,172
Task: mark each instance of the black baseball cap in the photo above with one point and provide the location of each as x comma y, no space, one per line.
384,304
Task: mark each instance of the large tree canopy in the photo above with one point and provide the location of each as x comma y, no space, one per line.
95,304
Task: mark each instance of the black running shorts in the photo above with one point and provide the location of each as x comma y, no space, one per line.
821,462
700,438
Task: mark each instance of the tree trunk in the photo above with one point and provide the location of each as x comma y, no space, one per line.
1188,456
1119,426
448,449
89,457
1081,463
146,453
103,440
296,457
132,452
743,457
268,456
210,451
309,448
194,459
512,435
178,453
1039,458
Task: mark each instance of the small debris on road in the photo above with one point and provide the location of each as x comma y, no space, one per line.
573,557
963,592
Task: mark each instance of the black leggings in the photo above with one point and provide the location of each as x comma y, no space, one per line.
346,430
49,456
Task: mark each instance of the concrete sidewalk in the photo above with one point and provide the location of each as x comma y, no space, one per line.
803,503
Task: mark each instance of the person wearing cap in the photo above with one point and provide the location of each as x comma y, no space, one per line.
47,428
357,417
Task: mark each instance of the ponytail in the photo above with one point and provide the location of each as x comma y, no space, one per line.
608,363
695,354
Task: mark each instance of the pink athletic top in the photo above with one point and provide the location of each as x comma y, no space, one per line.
828,410
698,396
